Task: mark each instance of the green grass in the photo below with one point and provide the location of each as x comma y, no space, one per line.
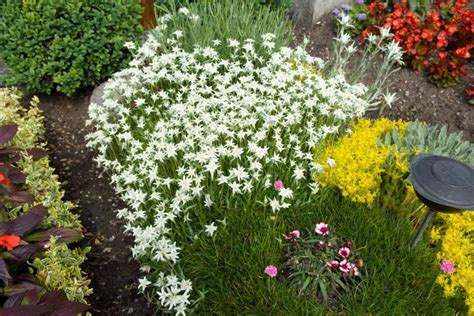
226,19
396,281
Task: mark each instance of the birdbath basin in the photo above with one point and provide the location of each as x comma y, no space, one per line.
443,184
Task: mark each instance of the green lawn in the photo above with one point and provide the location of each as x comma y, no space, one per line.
396,281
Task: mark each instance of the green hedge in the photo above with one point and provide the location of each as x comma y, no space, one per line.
64,45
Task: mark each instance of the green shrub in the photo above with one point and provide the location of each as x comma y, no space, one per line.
64,45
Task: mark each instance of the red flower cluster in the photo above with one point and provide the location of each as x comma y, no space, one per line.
9,241
4,180
440,44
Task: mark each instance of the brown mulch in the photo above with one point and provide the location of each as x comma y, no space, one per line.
418,98
110,265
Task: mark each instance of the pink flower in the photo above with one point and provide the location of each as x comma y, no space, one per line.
322,229
321,245
355,271
293,235
447,266
344,266
333,264
344,252
349,244
271,271
278,185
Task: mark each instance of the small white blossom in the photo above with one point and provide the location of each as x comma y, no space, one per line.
211,229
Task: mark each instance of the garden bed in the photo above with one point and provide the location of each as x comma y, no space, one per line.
114,272
110,264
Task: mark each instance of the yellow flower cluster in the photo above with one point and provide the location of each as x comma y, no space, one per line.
360,161
457,246
365,171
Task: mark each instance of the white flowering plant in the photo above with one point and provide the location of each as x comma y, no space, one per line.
189,136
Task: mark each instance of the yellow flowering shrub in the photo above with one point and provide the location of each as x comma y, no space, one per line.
360,161
456,238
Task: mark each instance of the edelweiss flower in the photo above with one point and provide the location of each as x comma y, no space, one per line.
211,229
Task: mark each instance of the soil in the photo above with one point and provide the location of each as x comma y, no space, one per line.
418,98
110,265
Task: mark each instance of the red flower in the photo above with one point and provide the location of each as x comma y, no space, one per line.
333,264
427,34
397,13
470,92
344,252
462,52
398,23
451,29
9,241
442,55
4,180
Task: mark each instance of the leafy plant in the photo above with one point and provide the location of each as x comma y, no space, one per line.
10,175
59,268
438,43
64,45
319,265
420,137
206,23
23,240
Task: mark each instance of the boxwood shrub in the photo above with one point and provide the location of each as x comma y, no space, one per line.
63,45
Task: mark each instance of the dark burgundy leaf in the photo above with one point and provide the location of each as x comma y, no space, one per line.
30,310
16,176
7,132
27,277
31,297
60,305
4,275
37,153
14,158
24,223
14,300
54,303
19,198
9,150
23,253
64,235
24,298
18,288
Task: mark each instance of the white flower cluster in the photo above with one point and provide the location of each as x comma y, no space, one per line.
187,135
